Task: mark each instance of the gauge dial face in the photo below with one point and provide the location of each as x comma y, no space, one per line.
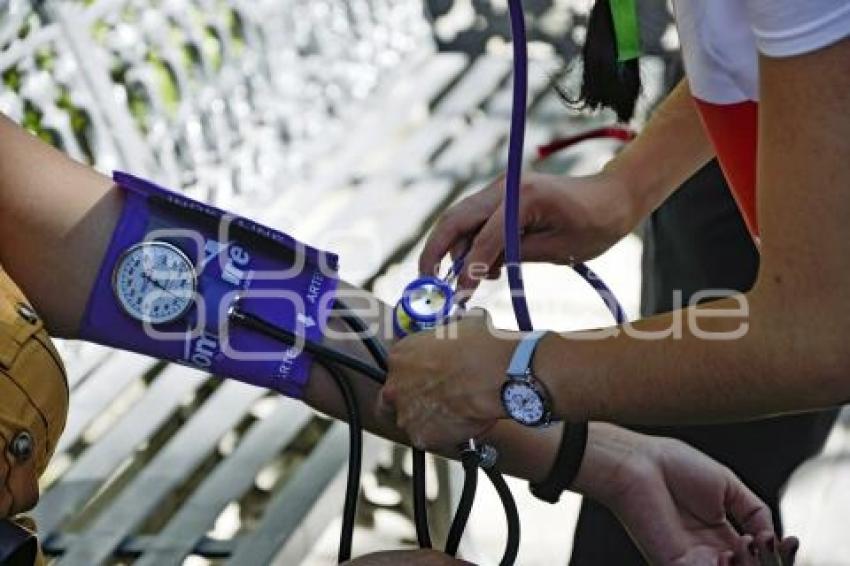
523,403
154,282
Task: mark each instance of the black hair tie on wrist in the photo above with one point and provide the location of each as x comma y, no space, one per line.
566,466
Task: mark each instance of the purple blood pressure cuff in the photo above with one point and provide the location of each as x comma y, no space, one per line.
174,269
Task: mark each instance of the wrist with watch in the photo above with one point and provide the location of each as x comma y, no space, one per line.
524,397
527,401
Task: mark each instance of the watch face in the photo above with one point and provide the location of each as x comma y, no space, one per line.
154,282
523,403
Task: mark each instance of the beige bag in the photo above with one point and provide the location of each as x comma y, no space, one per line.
33,400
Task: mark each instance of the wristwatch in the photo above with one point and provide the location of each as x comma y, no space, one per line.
524,397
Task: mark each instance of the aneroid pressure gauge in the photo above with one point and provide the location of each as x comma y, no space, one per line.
154,282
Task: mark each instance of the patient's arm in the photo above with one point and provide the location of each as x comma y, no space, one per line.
56,220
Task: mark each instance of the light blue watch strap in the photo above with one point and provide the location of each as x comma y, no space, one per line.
521,360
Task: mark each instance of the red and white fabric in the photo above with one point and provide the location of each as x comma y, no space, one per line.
721,41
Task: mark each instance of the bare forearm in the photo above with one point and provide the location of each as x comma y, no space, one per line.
56,218
758,369
670,149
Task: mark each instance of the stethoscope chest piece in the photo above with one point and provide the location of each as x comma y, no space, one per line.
425,303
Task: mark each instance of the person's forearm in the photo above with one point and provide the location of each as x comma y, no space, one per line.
630,378
56,219
669,150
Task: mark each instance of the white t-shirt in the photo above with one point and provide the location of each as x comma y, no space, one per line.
721,39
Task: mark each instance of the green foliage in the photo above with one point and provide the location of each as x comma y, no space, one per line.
32,121
167,86
12,79
80,122
137,101
45,59
237,30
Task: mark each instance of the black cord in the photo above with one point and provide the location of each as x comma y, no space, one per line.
511,515
470,460
362,330
467,497
379,354
355,460
328,356
420,500
259,324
